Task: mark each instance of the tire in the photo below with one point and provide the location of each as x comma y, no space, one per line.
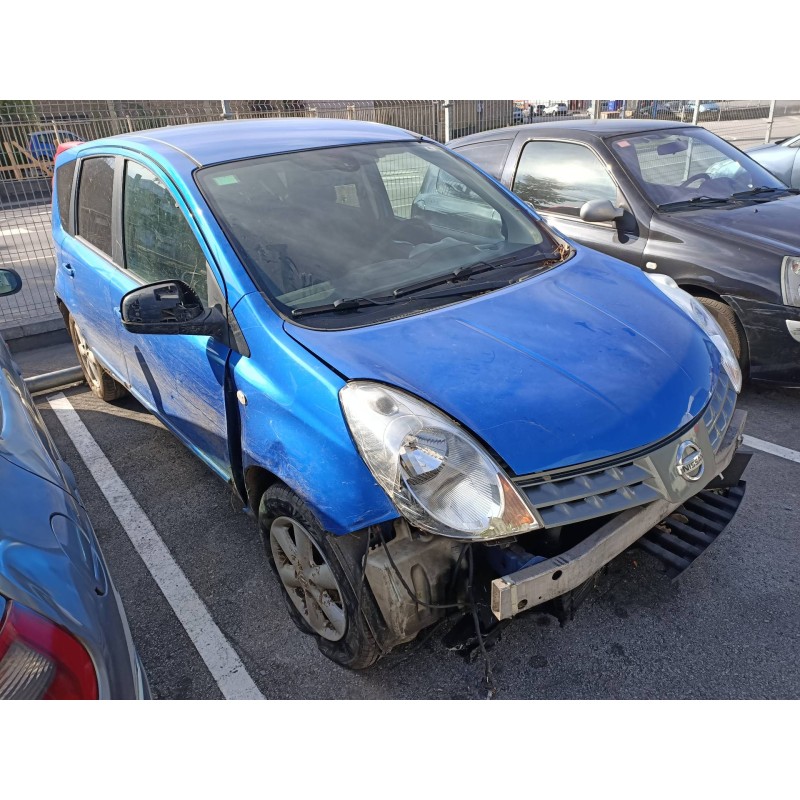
726,317
97,378
318,578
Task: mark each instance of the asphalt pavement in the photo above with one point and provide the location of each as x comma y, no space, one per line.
728,628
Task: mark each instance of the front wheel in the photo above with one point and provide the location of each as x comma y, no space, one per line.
726,317
321,580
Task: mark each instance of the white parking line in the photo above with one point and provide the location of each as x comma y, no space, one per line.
13,231
773,449
216,651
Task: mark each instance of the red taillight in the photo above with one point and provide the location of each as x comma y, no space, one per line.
41,661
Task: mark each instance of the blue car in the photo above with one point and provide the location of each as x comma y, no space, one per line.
425,410
63,630
44,144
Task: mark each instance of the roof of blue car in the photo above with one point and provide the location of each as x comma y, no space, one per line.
212,142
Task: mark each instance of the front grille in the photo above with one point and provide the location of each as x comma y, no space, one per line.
593,494
615,487
719,410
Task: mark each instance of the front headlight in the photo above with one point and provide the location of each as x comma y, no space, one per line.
438,477
790,280
710,326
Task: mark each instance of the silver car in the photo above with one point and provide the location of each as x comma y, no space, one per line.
781,158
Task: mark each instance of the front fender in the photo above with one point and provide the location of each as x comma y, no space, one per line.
292,425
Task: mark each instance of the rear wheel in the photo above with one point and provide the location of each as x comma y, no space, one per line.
97,378
318,578
726,317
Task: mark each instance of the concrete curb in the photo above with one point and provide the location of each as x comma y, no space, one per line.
30,335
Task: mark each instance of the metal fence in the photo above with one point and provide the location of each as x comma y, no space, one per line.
30,131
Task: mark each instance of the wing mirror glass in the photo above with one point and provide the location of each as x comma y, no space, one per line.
10,282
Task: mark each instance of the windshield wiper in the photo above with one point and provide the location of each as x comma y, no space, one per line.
342,304
758,190
460,274
701,200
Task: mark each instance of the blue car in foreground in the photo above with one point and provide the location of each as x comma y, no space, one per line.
63,630
423,408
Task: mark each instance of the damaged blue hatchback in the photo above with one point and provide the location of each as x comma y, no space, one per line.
425,408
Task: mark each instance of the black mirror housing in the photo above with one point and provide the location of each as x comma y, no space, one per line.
10,282
170,307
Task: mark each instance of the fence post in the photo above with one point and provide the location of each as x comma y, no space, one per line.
446,107
226,111
696,113
770,120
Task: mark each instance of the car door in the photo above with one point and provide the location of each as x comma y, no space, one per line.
89,259
180,378
558,177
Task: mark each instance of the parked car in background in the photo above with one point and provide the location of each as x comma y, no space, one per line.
781,158
392,361
63,630
659,110
673,199
705,110
43,144
556,109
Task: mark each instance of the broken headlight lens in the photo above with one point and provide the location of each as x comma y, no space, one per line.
439,478
696,311
790,280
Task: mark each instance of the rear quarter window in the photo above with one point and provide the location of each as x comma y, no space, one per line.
489,156
65,176
95,190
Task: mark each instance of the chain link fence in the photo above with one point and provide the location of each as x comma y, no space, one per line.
30,132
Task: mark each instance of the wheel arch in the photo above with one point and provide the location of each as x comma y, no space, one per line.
703,291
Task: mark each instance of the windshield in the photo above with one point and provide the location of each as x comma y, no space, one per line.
675,167
364,221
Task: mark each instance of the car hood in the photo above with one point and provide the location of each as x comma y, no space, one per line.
772,225
762,147
583,362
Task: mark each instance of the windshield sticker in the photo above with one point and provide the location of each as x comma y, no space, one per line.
225,180
623,143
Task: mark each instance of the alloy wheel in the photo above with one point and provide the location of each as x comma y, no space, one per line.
308,578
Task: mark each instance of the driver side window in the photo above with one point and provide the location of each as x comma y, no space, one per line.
159,243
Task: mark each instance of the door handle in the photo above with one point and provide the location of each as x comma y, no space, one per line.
69,270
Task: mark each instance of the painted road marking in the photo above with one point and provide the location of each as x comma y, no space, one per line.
216,651
13,231
773,449
44,259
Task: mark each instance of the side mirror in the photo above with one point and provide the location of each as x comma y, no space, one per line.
10,282
600,211
170,307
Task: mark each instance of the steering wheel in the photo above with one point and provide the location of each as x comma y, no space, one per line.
694,178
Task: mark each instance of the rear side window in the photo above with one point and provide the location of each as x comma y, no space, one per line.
64,177
159,243
489,156
95,191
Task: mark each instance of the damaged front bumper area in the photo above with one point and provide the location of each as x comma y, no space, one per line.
673,480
